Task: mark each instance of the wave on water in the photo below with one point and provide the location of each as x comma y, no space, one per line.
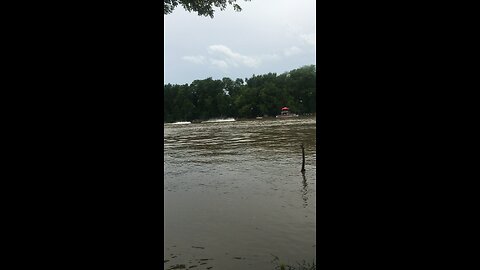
219,120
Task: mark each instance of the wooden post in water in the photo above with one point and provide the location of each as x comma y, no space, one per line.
303,159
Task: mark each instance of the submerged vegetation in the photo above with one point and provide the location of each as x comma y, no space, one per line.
261,95
303,265
300,266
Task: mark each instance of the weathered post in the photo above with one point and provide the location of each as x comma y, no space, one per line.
303,159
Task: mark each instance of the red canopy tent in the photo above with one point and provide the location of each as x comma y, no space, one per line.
284,109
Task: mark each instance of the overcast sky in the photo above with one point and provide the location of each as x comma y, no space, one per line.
266,36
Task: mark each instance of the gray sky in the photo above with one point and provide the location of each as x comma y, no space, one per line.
266,36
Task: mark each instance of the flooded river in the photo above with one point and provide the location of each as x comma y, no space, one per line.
234,194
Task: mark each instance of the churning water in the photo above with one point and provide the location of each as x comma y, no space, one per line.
234,194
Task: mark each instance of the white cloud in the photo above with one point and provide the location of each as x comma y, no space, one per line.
219,63
224,58
309,38
292,51
270,57
232,57
195,59
292,31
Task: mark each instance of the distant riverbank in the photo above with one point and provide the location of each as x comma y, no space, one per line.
198,121
260,95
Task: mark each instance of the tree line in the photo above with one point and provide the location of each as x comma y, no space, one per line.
261,95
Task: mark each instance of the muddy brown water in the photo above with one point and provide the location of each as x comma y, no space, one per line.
234,194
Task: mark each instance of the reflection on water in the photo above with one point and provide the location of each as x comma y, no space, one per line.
234,194
304,190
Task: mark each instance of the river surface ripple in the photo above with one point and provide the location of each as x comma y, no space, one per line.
235,196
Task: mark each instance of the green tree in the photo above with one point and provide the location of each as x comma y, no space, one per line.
183,104
169,95
256,96
202,7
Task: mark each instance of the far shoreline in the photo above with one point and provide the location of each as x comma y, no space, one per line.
263,118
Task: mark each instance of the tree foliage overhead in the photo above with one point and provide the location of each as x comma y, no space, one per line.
202,7
260,95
